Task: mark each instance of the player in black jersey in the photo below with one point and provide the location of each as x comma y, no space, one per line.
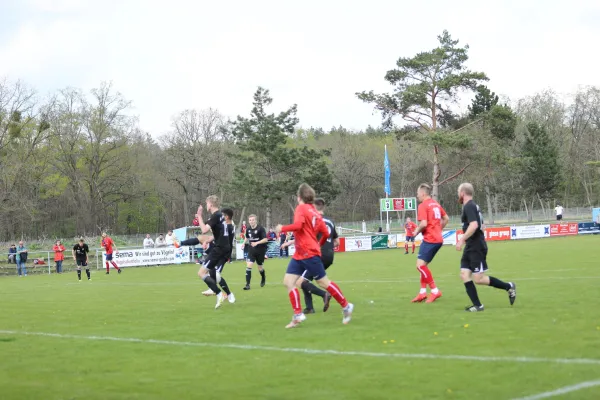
256,238
80,255
327,253
473,263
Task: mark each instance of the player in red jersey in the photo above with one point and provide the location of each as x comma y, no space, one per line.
409,230
307,224
109,247
432,219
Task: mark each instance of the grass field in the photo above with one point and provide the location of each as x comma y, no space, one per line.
149,334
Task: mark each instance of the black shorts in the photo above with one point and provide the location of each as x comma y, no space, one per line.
474,259
216,260
81,263
559,217
257,256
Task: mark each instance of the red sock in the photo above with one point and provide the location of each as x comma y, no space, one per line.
423,283
295,300
115,265
426,273
432,284
107,267
337,294
406,246
413,247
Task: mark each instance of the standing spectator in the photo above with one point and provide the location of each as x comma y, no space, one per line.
282,237
271,235
148,242
59,256
244,228
21,259
559,212
12,254
160,241
170,239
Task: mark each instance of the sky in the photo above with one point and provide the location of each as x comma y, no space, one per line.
168,56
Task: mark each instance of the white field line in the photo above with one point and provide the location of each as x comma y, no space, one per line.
540,360
563,390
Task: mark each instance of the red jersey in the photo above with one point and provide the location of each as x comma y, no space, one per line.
432,212
307,224
107,244
410,228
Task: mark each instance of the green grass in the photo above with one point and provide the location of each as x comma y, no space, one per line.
556,316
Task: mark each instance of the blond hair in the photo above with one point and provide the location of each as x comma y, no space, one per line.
214,200
466,188
426,187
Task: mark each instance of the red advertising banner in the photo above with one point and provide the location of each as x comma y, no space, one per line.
342,247
497,233
568,228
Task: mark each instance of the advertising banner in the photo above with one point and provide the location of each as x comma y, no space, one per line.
402,238
497,233
529,231
568,228
392,240
596,215
158,256
358,243
342,247
449,237
586,228
379,242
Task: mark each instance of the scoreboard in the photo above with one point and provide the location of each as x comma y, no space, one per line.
398,204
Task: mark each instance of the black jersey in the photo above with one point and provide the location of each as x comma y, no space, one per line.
220,232
81,251
328,245
471,212
256,235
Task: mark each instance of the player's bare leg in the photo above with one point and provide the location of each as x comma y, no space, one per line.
291,281
336,293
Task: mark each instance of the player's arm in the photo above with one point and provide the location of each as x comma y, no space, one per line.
322,229
421,227
211,222
445,218
335,237
471,214
73,253
113,246
422,217
295,227
288,243
86,249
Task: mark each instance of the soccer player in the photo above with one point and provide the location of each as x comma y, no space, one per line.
307,224
109,246
256,238
80,256
432,219
327,253
409,229
473,263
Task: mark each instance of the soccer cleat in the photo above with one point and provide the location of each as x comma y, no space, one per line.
433,297
247,287
119,270
220,299
347,313
309,311
262,283
474,308
406,252
512,293
231,298
176,244
420,297
326,301
208,292
296,320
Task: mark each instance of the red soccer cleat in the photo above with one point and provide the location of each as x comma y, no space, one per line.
420,297
433,297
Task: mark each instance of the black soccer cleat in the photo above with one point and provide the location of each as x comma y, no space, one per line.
309,311
247,287
474,308
512,293
262,283
107,273
326,301
119,270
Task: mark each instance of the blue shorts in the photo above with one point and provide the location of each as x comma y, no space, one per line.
312,266
428,250
109,257
410,239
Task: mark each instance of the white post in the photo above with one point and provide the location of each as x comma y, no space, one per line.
49,268
387,217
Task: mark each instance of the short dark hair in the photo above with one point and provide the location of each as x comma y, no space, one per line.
319,204
228,212
306,193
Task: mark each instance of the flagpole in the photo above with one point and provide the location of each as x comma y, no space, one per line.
387,213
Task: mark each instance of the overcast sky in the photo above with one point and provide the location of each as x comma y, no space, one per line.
167,56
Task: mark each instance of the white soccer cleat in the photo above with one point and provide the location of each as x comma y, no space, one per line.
347,312
208,293
231,298
220,299
296,320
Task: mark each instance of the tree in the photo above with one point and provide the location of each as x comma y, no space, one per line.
269,168
423,84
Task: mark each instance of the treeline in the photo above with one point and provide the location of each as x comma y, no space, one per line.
78,163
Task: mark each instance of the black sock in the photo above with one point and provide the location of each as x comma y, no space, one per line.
79,274
224,286
190,242
498,284
262,274
308,286
87,272
472,292
212,285
307,297
248,276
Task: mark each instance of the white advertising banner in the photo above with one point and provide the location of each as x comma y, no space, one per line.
157,256
392,240
449,237
529,231
239,250
358,243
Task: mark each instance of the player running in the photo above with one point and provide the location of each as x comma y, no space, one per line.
109,247
473,263
80,256
432,219
307,224
409,231
327,253
256,239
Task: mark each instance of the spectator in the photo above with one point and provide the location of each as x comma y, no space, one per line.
282,238
559,212
12,254
160,241
21,259
148,242
271,235
244,228
170,239
59,256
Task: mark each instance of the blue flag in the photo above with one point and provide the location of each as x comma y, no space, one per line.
386,167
